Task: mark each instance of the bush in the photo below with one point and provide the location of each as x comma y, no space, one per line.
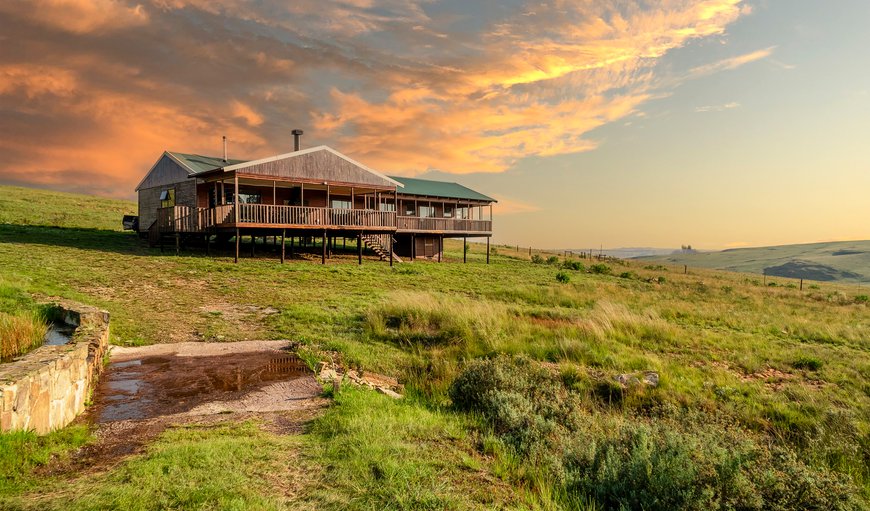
537,259
563,277
672,459
600,269
573,265
808,363
552,260
629,275
862,299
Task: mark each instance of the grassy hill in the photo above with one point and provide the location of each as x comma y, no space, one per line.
839,261
28,206
569,385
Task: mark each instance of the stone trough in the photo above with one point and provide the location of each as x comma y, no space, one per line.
47,388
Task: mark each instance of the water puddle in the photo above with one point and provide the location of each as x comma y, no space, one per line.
155,386
59,334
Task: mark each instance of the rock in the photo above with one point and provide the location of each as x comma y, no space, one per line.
328,374
387,392
651,378
626,379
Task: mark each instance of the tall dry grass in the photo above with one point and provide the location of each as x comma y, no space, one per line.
19,333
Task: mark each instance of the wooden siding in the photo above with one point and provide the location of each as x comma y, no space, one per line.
165,172
318,165
149,200
443,225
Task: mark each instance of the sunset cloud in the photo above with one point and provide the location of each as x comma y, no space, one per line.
101,87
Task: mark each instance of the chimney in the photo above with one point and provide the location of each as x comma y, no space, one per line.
297,134
225,148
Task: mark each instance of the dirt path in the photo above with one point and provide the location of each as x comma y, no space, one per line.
144,390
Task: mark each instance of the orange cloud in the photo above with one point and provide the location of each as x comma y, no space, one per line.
82,16
98,88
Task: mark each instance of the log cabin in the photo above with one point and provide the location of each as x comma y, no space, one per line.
306,194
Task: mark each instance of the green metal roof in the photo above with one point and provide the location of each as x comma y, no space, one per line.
200,163
415,186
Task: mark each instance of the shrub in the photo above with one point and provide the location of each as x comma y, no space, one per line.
572,265
808,363
552,260
537,259
563,277
629,275
862,299
672,459
771,284
600,269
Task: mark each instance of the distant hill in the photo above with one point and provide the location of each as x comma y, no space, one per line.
32,206
837,261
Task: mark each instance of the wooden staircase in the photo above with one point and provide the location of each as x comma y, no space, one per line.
380,243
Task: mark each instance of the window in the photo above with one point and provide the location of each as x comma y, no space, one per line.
250,198
409,209
388,206
448,211
427,211
340,204
167,198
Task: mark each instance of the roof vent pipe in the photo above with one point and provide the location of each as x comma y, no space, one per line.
225,148
297,135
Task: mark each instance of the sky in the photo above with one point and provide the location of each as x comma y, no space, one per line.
715,123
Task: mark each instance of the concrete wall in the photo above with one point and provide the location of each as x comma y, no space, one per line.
47,388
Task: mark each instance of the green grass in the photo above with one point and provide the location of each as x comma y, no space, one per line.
23,452
224,466
788,366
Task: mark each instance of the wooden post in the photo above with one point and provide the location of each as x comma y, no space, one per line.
413,247
359,247
802,285
236,198
464,249
391,248
253,242
487,250
685,269
237,246
283,234
323,255
177,243
440,246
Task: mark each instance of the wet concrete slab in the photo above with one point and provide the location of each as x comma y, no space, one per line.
144,390
165,385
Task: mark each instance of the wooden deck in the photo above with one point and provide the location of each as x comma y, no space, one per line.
183,219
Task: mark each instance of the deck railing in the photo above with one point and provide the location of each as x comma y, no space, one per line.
267,214
413,223
187,219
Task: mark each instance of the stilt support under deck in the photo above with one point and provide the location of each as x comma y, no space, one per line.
283,235
359,247
238,239
323,257
464,250
487,250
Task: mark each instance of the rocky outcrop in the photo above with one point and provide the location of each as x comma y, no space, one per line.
47,388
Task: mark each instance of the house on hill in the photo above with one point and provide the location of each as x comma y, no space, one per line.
306,194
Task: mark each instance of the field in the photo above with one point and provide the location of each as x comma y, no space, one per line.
839,261
526,382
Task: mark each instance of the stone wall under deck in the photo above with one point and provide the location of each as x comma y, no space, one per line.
46,389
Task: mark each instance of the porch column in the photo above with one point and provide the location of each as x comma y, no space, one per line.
236,197
237,246
274,200
283,234
464,249
359,247
391,248
487,250
440,246
323,255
